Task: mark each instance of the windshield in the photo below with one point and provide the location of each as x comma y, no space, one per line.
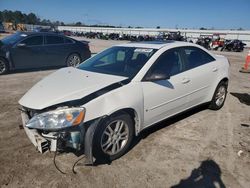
12,39
121,61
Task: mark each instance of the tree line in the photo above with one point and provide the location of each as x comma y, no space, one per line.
17,17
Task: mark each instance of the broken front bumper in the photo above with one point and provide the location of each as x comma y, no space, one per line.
44,143
39,141
72,137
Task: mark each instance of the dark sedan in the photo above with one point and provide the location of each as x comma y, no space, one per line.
39,50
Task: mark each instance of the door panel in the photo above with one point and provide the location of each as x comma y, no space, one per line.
56,55
164,98
26,57
201,70
30,55
201,80
56,50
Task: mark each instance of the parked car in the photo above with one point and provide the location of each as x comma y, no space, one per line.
106,101
24,50
233,45
204,41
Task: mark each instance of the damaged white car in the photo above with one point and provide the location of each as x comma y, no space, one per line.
102,104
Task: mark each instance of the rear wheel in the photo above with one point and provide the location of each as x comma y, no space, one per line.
113,138
4,68
73,60
219,96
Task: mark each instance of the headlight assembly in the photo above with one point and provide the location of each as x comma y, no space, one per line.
57,119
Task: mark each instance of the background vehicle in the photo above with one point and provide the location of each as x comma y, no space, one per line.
204,41
38,50
233,45
113,96
175,36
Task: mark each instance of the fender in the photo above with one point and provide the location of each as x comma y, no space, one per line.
129,96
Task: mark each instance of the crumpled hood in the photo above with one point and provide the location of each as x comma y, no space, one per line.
64,85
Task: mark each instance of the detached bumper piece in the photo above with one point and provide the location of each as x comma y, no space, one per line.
39,142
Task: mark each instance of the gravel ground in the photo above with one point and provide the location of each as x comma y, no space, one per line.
195,149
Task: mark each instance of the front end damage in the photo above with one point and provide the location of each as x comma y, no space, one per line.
76,138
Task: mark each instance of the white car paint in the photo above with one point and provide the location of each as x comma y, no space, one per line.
65,85
150,101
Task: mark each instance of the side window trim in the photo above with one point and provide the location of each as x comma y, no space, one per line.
45,40
178,49
185,57
31,37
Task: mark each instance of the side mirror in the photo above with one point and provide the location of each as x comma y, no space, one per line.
156,76
20,45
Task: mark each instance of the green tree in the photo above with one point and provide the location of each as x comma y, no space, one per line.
78,24
32,19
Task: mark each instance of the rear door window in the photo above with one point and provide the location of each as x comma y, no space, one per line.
195,57
54,40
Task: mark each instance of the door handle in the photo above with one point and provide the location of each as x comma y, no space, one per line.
185,80
214,69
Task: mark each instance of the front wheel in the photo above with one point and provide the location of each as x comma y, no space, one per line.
113,138
73,60
219,96
4,68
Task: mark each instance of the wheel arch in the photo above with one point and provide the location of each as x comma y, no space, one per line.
225,79
5,59
133,114
222,79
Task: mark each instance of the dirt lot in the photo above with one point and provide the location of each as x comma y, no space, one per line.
192,150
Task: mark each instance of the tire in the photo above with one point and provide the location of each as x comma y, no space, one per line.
73,60
108,145
219,96
4,66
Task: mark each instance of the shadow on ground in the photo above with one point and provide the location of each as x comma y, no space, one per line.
156,127
208,174
243,97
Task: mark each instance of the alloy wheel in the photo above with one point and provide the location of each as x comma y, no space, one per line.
220,95
74,60
2,67
114,137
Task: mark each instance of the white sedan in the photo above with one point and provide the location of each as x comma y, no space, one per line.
100,106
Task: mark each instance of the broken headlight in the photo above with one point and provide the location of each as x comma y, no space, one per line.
57,119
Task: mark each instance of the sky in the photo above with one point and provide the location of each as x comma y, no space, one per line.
192,14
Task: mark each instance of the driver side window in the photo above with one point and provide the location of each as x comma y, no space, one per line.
168,63
33,41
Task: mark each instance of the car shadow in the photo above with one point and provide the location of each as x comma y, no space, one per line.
168,122
157,127
243,97
208,174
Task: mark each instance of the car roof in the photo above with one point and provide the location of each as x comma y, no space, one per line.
41,33
154,44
